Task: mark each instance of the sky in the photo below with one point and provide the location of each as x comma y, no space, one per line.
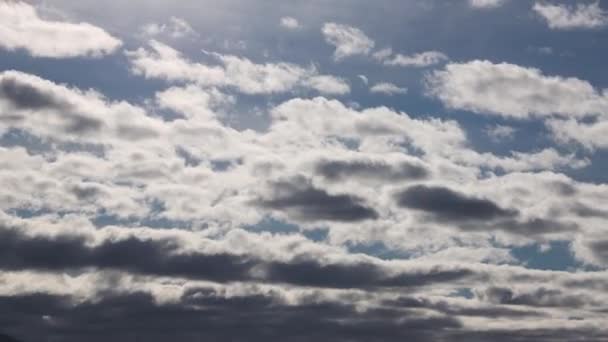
269,170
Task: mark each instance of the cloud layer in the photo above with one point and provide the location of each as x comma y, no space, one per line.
256,172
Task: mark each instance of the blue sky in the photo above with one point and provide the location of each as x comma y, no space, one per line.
331,170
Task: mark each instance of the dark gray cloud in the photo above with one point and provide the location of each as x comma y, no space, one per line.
81,124
583,210
134,132
7,338
161,258
18,252
25,96
205,315
599,249
534,226
362,275
531,335
336,170
451,309
85,191
475,214
302,201
539,297
446,204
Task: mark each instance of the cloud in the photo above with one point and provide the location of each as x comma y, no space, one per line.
534,226
357,276
387,89
22,28
300,199
340,170
163,62
206,313
419,60
591,249
7,338
51,110
570,17
485,4
319,121
176,28
174,209
23,96
290,23
447,204
499,133
514,91
591,135
348,41
539,297
194,102
328,85
168,255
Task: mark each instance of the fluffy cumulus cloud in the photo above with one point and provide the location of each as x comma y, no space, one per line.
22,28
587,15
165,192
515,91
574,110
347,40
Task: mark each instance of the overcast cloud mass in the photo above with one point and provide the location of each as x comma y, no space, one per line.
303,171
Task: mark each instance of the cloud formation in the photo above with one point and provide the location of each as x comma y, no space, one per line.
22,28
348,40
447,204
570,17
514,91
169,190
162,61
305,202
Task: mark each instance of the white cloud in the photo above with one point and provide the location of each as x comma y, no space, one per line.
176,28
514,91
591,135
486,3
387,89
162,61
568,17
363,79
290,23
418,60
328,85
500,133
383,54
52,110
193,102
176,170
131,176
22,28
349,41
